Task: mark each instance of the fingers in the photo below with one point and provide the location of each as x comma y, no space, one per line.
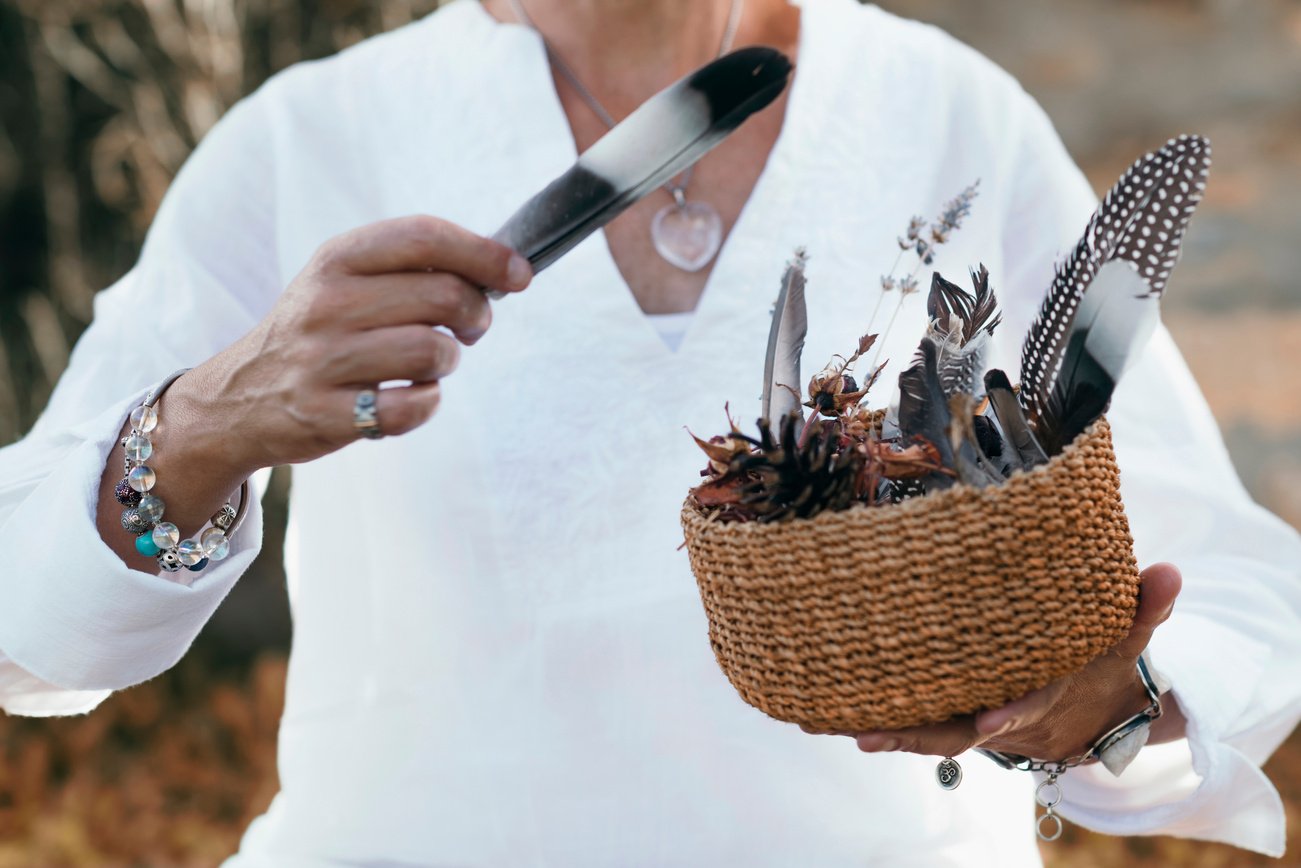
399,299
399,409
424,243
1161,584
949,738
409,352
406,408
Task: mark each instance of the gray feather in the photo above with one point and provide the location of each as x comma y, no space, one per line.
782,386
924,409
1012,419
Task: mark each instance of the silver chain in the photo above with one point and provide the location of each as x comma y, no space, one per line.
676,190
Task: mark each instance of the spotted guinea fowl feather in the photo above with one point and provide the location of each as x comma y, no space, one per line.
790,325
1115,319
1142,220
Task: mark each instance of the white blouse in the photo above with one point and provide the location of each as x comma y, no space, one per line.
499,653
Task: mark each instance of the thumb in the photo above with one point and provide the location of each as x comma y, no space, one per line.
1156,600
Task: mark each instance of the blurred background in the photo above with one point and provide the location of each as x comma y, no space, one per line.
102,100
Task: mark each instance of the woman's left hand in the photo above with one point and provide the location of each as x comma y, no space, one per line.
1066,717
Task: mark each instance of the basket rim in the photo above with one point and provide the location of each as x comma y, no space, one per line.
692,511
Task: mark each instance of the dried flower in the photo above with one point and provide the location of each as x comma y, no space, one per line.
913,462
887,282
954,211
908,285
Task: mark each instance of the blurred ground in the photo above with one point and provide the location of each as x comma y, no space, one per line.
100,102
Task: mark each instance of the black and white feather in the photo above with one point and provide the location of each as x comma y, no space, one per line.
1142,222
661,138
961,325
1115,319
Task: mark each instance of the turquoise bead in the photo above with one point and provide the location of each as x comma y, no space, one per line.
146,546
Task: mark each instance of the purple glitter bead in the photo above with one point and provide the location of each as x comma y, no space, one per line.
125,494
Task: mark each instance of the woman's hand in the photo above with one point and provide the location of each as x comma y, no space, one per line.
360,313
1065,718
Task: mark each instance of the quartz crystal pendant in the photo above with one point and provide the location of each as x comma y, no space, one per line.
189,551
138,448
144,419
687,234
141,478
215,544
151,508
166,535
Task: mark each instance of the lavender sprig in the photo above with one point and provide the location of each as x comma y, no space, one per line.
948,222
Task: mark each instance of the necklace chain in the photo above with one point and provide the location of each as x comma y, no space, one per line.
677,190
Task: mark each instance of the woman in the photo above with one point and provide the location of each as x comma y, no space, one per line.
499,654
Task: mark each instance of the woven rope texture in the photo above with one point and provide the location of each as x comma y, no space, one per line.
896,616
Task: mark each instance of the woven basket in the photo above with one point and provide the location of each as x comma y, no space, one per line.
896,616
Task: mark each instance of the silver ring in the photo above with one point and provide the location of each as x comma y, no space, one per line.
365,415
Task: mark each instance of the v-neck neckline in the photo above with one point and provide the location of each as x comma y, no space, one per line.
767,187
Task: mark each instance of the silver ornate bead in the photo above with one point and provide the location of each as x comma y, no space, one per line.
134,522
168,561
223,518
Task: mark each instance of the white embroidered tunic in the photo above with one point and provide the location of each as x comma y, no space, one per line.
499,654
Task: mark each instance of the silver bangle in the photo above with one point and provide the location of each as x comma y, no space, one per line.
1048,794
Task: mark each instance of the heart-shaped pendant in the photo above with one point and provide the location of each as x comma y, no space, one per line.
687,234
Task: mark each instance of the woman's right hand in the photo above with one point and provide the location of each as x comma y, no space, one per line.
361,312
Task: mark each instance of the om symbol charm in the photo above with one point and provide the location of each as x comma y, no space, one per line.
948,773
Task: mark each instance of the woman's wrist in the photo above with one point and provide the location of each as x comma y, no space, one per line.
195,471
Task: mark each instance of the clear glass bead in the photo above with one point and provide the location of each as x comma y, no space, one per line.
141,478
138,448
190,551
166,535
215,544
151,508
144,418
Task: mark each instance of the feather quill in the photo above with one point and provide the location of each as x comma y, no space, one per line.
1142,221
790,325
1115,319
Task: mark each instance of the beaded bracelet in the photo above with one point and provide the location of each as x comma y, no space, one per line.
144,511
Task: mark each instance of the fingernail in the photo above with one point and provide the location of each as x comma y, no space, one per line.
1010,725
518,272
874,743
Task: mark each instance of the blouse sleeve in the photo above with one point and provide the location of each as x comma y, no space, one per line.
75,621
1232,648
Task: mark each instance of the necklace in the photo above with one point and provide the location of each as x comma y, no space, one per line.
686,234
